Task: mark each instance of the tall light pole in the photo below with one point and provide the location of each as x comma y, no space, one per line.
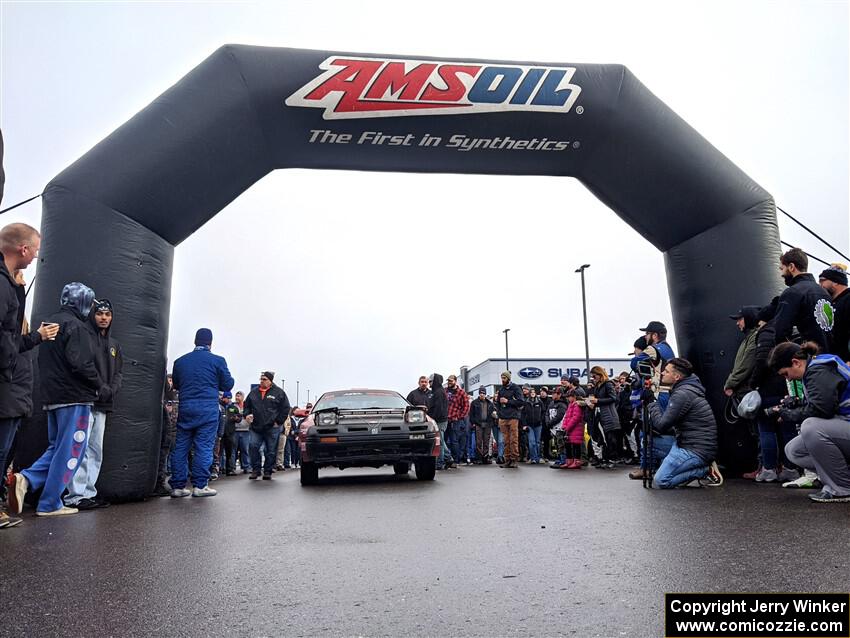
507,358
297,392
308,395
584,312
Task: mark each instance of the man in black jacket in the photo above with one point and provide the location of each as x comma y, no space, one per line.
803,303
482,415
19,245
509,404
82,492
70,385
834,281
265,409
690,417
421,394
438,409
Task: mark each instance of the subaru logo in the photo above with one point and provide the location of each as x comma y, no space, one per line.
530,373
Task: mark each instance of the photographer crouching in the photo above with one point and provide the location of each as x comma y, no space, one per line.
688,415
823,444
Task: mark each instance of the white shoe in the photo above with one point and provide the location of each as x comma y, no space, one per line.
17,492
805,482
766,476
62,511
180,492
204,491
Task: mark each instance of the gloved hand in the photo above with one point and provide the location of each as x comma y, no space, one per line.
647,396
104,394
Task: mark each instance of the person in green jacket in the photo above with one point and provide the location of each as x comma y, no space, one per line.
738,382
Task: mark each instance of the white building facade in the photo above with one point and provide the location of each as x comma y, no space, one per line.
534,372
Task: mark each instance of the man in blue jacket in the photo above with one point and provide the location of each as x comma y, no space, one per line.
198,376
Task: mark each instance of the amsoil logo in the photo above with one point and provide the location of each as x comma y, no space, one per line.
378,87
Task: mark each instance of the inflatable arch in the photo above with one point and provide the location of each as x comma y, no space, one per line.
113,218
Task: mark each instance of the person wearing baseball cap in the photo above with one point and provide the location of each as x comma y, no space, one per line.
656,353
738,382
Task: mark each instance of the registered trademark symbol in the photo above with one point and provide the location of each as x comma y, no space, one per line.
576,144
579,110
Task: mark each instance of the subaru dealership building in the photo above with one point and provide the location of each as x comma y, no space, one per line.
534,372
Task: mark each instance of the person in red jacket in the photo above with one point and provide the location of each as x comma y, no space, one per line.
573,433
457,428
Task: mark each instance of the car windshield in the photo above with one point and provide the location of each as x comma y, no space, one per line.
361,400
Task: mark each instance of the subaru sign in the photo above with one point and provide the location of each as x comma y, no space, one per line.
530,373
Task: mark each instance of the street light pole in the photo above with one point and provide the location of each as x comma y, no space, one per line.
584,312
308,395
297,392
507,358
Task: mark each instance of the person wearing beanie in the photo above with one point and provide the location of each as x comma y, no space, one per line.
509,402
198,376
109,362
738,382
266,409
70,385
482,415
834,281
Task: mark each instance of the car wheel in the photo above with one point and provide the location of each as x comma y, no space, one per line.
401,468
426,469
309,473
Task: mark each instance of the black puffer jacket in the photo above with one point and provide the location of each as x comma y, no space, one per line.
689,416
606,404
557,410
438,404
798,307
419,397
533,412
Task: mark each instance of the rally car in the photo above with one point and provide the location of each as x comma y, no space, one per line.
368,428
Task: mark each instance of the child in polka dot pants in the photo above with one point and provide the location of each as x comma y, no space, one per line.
67,432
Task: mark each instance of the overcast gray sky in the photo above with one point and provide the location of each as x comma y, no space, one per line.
341,275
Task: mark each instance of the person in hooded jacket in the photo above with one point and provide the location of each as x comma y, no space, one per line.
689,416
554,421
109,362
532,418
824,416
198,376
438,409
70,385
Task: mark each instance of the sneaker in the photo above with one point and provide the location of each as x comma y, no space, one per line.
84,504
787,475
9,521
213,476
805,482
766,476
17,491
62,511
638,475
180,492
204,491
751,476
825,497
161,491
267,477
254,476
714,478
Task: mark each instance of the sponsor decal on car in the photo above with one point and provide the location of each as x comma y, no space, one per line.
360,87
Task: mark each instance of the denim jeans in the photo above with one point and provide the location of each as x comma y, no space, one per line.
83,484
470,446
680,466
458,436
769,431
8,428
243,442
661,445
445,452
292,453
268,437
534,432
500,442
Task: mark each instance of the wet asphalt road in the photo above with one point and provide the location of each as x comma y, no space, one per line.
479,552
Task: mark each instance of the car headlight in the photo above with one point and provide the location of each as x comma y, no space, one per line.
327,418
414,416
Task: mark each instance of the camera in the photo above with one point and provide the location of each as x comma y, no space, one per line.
788,403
